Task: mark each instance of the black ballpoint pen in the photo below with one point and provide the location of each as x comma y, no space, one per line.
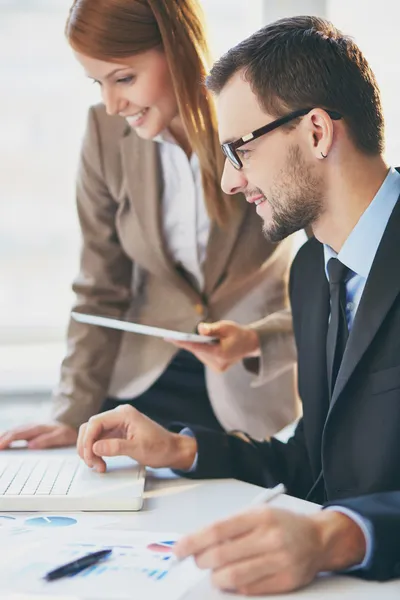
77,565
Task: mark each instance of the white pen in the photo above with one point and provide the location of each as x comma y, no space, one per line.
268,494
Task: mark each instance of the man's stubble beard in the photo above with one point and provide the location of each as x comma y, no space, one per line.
296,198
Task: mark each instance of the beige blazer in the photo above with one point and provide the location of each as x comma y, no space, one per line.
125,270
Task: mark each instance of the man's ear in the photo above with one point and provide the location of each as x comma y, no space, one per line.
320,132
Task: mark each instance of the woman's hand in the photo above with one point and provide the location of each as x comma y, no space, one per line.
235,343
40,437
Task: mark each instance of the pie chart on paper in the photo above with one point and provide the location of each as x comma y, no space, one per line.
51,521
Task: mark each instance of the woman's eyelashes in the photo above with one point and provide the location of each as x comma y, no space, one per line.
121,80
126,80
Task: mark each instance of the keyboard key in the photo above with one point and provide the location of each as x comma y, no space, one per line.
19,480
40,477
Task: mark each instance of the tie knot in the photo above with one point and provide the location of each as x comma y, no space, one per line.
337,271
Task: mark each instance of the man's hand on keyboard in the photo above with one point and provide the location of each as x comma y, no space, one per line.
127,432
40,437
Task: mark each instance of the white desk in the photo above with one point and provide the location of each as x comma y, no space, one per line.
182,505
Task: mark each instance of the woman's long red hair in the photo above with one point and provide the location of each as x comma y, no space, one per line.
117,29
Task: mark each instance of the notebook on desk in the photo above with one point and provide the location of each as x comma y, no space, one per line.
65,483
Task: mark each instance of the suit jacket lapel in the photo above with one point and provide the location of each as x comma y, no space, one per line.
381,289
221,243
142,170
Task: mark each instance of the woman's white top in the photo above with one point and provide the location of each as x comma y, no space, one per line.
185,222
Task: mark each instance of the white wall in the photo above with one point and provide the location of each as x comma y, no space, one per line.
285,8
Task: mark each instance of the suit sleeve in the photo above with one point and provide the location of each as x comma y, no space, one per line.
266,463
102,287
382,510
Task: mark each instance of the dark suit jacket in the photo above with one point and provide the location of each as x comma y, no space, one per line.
346,452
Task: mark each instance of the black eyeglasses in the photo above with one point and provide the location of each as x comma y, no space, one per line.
230,148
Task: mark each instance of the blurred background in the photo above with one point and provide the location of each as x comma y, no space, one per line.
44,97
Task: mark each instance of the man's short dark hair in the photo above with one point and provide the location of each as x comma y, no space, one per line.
302,62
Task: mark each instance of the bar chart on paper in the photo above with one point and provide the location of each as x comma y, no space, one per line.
139,561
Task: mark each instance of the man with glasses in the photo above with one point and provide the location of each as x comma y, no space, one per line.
301,125
231,149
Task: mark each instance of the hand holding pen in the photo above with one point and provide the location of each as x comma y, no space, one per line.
263,550
203,541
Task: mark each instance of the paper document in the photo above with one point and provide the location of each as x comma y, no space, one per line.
141,566
143,329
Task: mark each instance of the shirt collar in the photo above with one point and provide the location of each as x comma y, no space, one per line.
359,250
165,137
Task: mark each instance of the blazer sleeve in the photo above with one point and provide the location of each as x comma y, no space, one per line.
277,345
382,510
102,286
267,463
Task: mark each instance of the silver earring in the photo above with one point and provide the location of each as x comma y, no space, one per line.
323,155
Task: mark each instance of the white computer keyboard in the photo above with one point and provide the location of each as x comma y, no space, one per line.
37,476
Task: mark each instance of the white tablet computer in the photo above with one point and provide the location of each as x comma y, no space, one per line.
143,329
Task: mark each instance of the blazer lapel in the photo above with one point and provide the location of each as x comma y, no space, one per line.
221,243
145,191
381,290
142,169
141,164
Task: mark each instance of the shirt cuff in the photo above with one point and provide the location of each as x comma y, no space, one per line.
189,433
366,527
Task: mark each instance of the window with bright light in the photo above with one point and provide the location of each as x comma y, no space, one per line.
375,29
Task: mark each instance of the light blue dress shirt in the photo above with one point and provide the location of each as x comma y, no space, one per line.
358,253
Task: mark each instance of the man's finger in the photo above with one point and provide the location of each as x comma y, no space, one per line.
110,447
216,534
242,573
97,463
94,430
81,438
113,447
240,548
276,583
